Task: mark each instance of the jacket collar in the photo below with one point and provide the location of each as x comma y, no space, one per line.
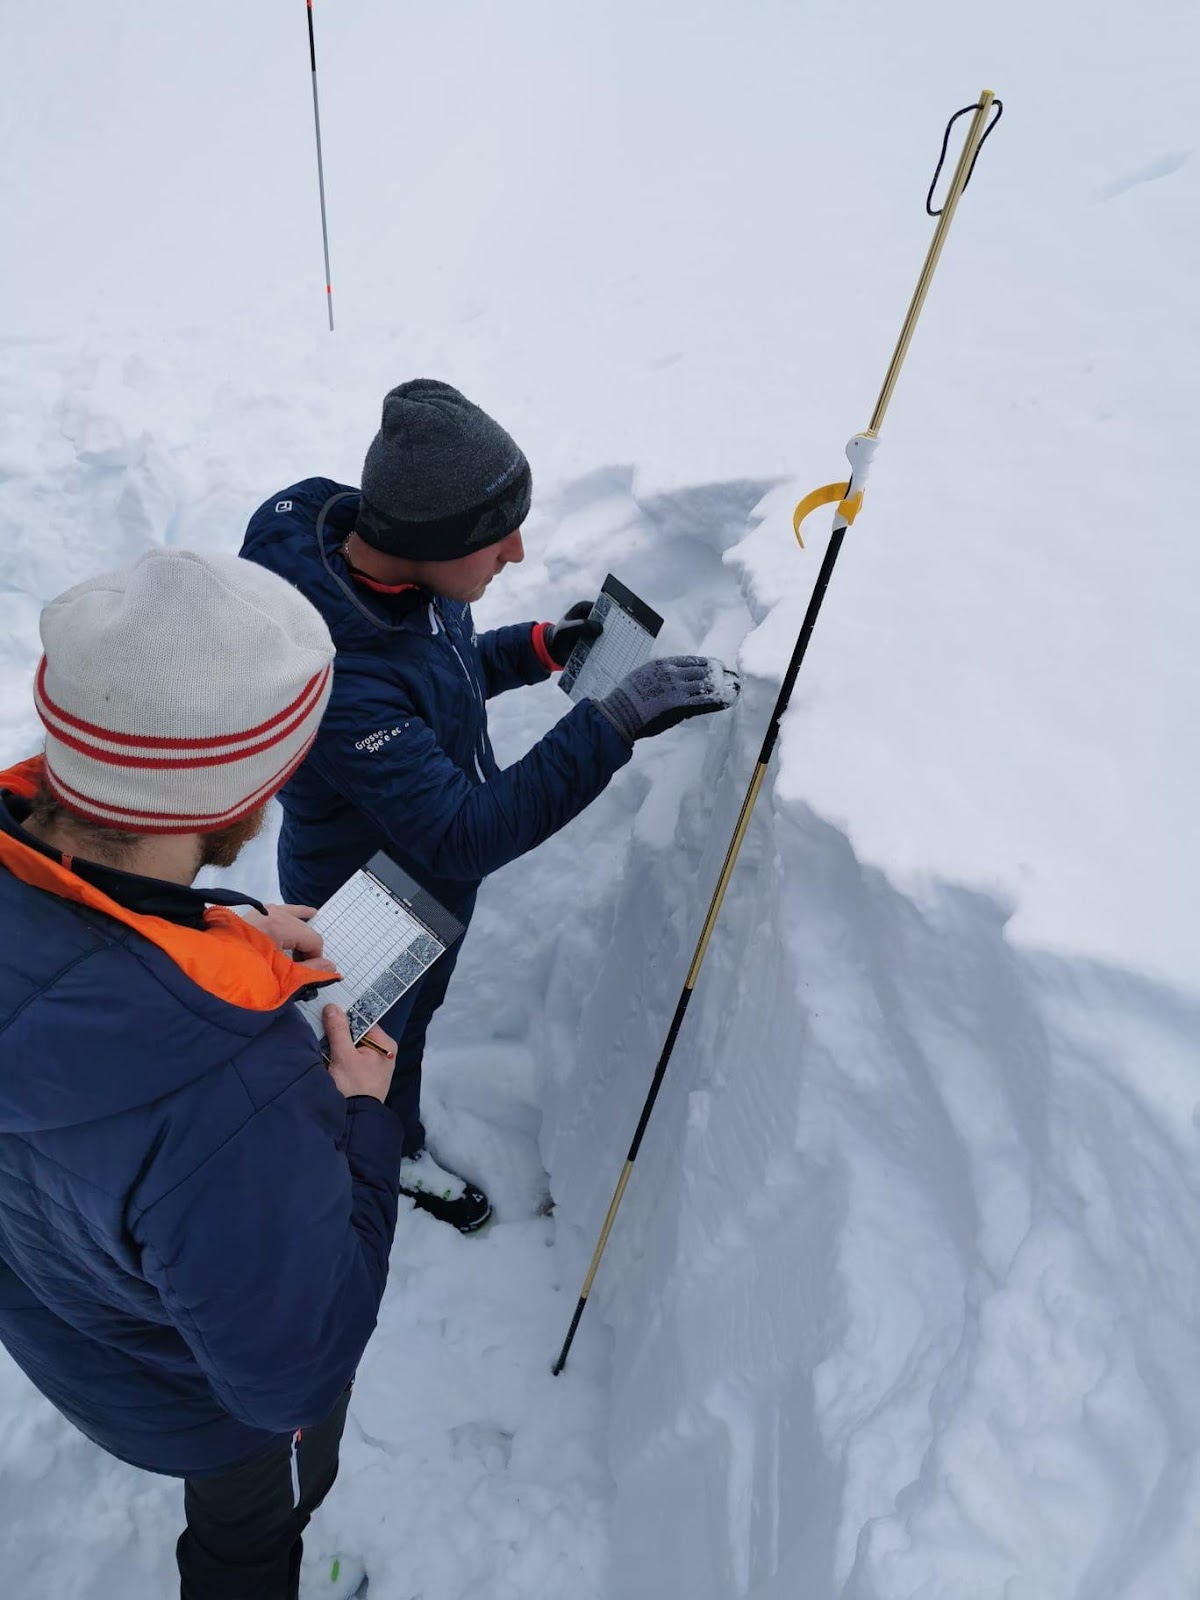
401,597
367,603
195,928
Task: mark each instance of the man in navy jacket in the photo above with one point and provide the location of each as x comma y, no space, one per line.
195,1212
402,760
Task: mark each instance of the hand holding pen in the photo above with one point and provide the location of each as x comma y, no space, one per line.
365,1068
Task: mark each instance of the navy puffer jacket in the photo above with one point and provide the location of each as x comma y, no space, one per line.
402,760
194,1224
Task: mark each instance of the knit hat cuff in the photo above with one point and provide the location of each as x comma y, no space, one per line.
105,815
197,785
448,538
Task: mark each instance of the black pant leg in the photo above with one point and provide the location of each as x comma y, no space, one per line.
414,1013
244,1526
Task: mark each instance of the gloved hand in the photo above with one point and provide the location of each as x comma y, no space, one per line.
658,694
560,638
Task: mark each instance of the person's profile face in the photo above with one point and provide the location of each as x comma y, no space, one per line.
467,577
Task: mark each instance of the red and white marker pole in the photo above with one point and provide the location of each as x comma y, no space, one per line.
312,55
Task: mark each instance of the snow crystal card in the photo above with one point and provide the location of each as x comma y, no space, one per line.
383,932
630,628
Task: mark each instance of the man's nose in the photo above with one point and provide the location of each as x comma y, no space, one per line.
512,548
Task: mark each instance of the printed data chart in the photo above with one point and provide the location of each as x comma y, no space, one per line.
596,666
383,932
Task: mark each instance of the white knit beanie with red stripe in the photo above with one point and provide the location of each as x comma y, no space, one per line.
179,693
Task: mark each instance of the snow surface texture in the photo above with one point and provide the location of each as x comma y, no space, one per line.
904,1297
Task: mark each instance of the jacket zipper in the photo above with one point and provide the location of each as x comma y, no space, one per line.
437,619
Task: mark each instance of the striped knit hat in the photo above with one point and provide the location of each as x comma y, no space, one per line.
179,693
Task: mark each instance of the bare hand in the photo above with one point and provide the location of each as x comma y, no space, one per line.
360,1070
287,927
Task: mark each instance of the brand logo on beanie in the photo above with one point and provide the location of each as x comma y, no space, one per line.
514,466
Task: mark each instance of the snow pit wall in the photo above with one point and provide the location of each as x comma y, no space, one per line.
902,1296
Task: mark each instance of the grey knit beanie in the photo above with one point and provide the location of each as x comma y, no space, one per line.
441,479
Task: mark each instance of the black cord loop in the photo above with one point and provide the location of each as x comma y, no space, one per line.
966,110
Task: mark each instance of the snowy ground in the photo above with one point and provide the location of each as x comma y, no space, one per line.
466,1470
904,1299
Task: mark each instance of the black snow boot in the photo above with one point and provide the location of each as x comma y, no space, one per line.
443,1194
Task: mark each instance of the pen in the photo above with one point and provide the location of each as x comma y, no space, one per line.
371,1045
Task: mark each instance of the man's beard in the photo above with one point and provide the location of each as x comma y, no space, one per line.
222,847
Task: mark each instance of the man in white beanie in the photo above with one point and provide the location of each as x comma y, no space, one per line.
195,1212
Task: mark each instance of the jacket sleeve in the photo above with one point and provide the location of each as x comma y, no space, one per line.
509,657
271,1259
445,825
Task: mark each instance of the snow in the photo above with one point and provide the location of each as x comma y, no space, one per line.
903,1299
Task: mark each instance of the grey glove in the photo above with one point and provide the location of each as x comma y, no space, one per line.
658,694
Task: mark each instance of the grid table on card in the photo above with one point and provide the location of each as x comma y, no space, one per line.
380,948
598,666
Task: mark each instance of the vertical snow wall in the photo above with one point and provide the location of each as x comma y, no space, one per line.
903,1295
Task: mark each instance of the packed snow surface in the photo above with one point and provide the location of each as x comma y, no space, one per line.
904,1299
